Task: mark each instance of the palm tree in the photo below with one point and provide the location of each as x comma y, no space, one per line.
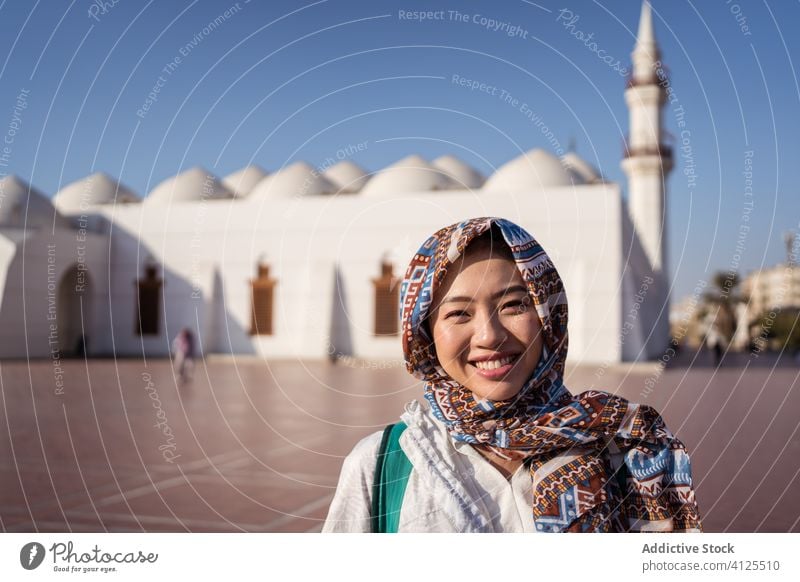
722,299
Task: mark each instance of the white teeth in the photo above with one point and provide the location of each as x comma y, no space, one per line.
493,364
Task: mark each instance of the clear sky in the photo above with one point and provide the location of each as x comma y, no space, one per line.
274,82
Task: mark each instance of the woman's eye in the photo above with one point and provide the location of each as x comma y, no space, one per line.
456,314
516,306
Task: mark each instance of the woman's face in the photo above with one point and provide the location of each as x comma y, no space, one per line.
487,334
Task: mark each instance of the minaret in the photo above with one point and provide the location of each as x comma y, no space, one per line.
647,160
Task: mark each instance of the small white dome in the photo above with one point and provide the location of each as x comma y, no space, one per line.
533,170
298,179
99,188
21,206
411,174
195,184
347,176
581,168
242,182
459,172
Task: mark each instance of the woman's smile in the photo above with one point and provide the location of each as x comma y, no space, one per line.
496,367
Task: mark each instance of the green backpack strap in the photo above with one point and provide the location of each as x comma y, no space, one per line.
391,476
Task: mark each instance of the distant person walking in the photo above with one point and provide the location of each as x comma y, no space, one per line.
183,352
80,346
716,342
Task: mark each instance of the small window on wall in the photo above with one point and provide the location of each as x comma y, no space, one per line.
262,297
148,306
387,297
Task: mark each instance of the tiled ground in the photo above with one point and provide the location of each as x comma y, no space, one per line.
261,444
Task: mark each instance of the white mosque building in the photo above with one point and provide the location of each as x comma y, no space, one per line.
304,262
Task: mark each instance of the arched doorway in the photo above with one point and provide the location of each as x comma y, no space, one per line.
74,311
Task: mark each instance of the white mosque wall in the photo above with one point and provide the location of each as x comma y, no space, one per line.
39,317
186,287
209,251
8,249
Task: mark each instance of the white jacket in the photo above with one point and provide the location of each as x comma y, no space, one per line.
451,488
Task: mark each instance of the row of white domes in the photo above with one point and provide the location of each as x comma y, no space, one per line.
534,170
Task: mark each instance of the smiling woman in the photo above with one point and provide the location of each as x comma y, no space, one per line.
501,445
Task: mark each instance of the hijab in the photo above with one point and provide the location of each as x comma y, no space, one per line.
597,461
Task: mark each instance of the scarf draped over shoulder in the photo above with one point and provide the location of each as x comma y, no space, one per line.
598,462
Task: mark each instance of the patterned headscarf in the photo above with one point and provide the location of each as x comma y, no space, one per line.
601,463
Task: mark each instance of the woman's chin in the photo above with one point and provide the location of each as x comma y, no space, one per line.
495,390
484,387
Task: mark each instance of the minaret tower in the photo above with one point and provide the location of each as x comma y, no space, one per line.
647,160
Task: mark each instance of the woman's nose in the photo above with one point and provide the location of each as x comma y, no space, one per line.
490,332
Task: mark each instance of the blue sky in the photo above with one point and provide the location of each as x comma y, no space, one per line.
281,81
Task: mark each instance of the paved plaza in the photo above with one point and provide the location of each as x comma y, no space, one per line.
250,445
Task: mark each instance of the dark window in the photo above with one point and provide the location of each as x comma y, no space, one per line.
387,297
262,293
148,305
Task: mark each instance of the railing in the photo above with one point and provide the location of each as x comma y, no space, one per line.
634,82
652,79
662,150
